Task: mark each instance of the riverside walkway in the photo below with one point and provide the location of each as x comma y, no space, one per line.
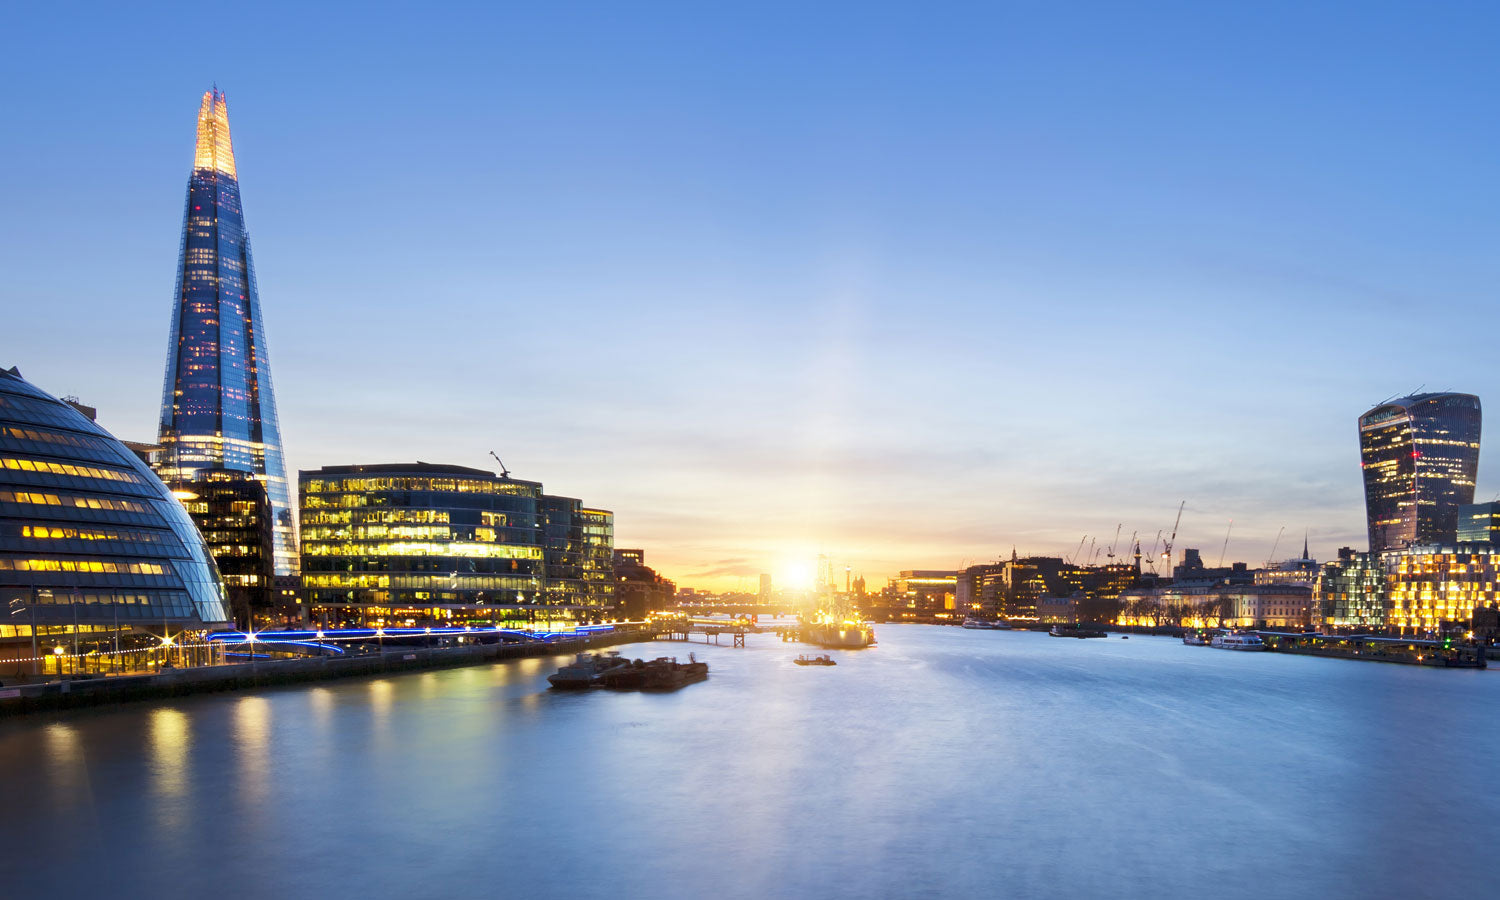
322,658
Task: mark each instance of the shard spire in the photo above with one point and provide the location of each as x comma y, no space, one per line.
215,150
218,409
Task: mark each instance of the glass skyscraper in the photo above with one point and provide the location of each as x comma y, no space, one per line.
1420,456
218,410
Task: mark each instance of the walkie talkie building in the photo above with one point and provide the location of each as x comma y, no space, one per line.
218,410
1420,456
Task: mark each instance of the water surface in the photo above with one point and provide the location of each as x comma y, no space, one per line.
942,763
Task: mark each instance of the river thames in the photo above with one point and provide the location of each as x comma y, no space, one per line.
942,763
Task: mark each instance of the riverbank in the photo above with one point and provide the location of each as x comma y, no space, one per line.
22,699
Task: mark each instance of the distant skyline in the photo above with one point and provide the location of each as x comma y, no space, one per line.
907,286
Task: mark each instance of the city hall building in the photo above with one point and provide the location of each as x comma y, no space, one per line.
97,558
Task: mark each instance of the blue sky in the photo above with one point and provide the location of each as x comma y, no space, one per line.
904,284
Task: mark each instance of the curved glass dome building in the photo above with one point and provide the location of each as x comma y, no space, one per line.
91,541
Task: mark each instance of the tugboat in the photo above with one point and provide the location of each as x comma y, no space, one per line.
1074,630
586,671
824,660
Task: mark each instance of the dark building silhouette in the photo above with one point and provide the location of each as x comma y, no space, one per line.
233,514
1420,456
639,590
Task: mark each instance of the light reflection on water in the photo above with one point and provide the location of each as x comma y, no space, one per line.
940,763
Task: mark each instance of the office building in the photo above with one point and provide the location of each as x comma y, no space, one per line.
218,408
1420,457
420,543
1479,523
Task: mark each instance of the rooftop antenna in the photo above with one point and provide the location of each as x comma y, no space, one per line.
504,472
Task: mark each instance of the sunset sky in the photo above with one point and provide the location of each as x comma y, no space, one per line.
908,285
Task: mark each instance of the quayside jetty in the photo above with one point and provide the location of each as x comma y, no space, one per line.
1375,648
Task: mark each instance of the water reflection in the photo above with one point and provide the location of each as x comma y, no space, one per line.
251,733
167,742
66,767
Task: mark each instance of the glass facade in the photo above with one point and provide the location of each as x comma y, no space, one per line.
598,556
415,540
90,539
218,408
1479,523
1420,457
563,550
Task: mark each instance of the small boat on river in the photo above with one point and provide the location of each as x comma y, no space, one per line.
985,624
824,660
1238,642
1074,630
1194,639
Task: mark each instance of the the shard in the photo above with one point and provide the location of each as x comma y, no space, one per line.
218,411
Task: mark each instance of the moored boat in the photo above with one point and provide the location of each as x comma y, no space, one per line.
1238,642
839,635
586,670
1194,639
1074,630
660,674
824,660
985,624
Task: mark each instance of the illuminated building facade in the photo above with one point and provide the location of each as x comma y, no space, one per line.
1429,587
563,550
1420,456
598,556
1479,523
218,409
1351,592
1014,589
419,542
95,552
233,514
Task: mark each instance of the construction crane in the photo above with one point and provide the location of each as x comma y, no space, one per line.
1225,548
1166,552
1151,557
504,472
1111,551
1133,543
1075,553
1277,543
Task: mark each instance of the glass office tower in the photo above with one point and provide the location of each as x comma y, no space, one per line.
1420,456
218,410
